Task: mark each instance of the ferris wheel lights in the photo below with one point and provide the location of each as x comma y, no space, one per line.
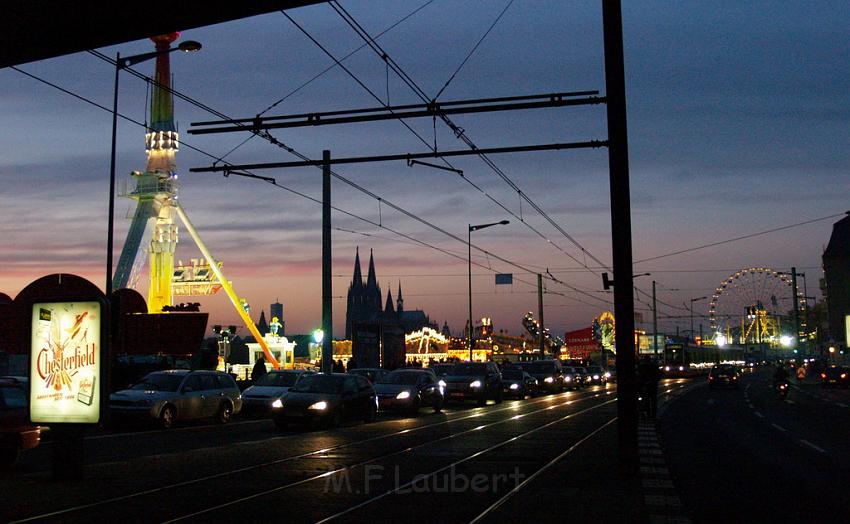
721,340
786,340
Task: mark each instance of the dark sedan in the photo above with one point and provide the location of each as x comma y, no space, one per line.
723,375
596,375
517,383
373,375
408,390
474,380
835,376
327,400
548,374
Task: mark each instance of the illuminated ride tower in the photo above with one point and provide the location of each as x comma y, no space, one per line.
156,211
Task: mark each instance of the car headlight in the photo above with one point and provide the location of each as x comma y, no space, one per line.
681,368
403,395
442,383
844,375
666,368
277,404
475,384
514,386
568,379
549,380
607,374
595,377
319,406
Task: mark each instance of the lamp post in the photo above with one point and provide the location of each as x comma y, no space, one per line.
469,265
123,63
692,313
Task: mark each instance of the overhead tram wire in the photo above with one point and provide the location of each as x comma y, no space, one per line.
744,237
377,98
460,133
317,201
418,91
322,73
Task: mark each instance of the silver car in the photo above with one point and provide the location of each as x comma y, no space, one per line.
268,390
178,394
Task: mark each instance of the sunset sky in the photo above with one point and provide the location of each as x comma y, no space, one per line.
738,123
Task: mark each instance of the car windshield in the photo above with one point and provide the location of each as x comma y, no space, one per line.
401,377
442,369
319,384
512,373
469,369
159,382
277,380
539,367
723,369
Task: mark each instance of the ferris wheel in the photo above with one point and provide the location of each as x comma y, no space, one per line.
751,304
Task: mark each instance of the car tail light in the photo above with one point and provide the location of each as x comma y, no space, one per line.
823,375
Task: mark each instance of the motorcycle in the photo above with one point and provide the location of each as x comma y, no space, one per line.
782,389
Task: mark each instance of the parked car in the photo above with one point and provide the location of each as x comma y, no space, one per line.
327,399
410,389
518,383
441,369
581,376
548,374
596,375
474,380
373,375
571,379
178,394
269,389
17,434
834,376
723,375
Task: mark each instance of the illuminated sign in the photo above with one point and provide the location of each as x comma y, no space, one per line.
65,363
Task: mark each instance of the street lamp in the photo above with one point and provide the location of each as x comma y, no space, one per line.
187,46
469,261
692,314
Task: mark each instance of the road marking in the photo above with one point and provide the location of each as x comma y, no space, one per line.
789,401
813,446
759,415
780,428
841,404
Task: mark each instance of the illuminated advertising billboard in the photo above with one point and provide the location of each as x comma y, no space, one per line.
65,358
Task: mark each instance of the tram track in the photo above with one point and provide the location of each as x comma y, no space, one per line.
422,479
516,408
371,460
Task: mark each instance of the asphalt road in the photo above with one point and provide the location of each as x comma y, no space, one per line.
743,455
435,467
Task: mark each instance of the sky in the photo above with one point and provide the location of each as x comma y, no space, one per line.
737,116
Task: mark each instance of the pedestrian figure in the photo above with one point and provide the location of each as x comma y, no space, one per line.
648,377
259,369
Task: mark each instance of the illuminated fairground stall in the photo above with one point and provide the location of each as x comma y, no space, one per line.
425,345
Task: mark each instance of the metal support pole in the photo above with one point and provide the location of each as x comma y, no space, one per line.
540,314
621,233
654,323
111,218
796,303
327,304
469,265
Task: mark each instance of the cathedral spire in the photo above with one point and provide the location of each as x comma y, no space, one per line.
358,277
371,279
389,307
399,300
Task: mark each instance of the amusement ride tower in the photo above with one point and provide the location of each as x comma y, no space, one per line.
156,210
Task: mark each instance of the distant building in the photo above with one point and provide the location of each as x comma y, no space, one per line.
375,329
262,325
836,268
